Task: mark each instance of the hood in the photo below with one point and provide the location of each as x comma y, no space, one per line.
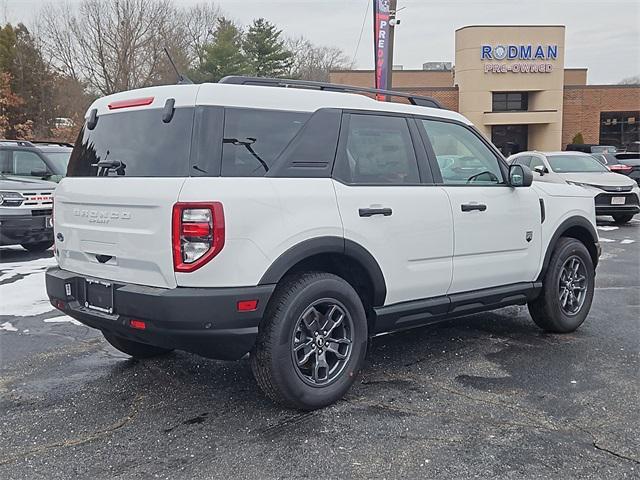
8,182
599,179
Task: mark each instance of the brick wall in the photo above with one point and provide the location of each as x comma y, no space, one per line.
447,96
583,104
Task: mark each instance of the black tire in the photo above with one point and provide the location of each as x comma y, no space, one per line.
272,358
547,310
620,219
38,247
135,349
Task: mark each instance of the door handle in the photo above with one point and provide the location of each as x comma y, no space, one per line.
370,212
468,207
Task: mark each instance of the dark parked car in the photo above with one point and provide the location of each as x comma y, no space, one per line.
43,160
626,163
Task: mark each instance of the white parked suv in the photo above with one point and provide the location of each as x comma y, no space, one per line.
293,224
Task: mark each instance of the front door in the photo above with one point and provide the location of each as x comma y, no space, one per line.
510,139
497,227
389,206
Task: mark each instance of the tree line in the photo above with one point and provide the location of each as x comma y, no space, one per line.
49,74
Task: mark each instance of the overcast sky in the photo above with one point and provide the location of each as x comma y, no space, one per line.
602,35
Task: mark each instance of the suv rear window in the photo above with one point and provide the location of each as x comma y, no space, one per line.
141,141
254,139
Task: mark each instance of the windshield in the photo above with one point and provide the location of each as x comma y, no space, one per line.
575,163
135,144
60,160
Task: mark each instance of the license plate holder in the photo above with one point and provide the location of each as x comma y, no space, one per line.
618,200
98,295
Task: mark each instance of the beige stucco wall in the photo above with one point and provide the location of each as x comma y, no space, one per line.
476,86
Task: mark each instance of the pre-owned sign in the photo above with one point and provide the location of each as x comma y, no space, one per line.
381,42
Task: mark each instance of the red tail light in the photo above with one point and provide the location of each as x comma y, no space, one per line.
619,168
198,234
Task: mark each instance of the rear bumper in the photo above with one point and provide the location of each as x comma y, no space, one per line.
618,210
17,229
204,321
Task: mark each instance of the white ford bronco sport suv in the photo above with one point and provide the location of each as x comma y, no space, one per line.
295,223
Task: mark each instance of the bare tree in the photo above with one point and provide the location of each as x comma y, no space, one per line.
198,24
313,62
112,45
635,80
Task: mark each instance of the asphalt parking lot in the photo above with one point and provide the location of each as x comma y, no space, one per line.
486,396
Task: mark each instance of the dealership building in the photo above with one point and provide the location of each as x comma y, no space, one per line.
512,83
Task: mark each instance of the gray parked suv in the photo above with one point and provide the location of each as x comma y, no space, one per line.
26,209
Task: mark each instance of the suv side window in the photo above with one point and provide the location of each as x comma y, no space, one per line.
253,139
524,160
462,157
377,149
26,162
536,162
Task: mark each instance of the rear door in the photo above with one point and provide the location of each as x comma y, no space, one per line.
390,207
497,227
113,211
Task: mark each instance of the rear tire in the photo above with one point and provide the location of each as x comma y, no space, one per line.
567,290
134,349
621,219
312,341
38,247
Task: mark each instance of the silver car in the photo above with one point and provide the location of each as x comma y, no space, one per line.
616,195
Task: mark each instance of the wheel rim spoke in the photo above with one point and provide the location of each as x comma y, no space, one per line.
572,285
311,320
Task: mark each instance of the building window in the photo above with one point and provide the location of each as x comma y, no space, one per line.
510,101
619,129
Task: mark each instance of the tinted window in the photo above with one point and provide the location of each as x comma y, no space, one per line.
378,150
144,145
24,163
575,163
512,101
5,162
462,157
253,139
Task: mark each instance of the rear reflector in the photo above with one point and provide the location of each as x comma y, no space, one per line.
247,305
137,324
134,102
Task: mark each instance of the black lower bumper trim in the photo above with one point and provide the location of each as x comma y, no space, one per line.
204,321
16,230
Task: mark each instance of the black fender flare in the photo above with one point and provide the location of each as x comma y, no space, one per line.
566,225
320,245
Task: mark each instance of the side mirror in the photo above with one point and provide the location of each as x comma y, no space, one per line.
41,173
540,169
520,176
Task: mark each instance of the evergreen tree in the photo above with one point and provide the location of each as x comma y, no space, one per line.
224,56
265,50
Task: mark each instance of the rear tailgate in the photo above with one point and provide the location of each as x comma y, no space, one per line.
113,211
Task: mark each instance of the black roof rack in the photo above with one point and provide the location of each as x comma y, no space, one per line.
46,142
331,87
20,143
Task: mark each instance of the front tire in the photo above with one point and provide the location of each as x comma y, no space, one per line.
134,349
622,219
38,247
567,290
312,341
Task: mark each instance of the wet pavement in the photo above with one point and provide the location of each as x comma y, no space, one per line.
488,395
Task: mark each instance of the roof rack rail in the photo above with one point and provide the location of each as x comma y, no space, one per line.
47,142
20,143
331,87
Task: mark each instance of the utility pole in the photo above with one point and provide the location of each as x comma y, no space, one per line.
393,8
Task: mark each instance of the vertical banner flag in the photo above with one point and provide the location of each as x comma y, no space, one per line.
381,43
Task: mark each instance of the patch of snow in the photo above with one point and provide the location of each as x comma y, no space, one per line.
8,327
27,296
627,241
606,228
64,319
606,240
